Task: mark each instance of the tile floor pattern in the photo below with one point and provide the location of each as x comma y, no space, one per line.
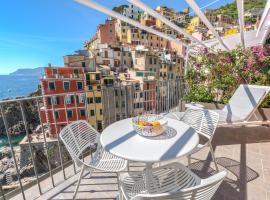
243,152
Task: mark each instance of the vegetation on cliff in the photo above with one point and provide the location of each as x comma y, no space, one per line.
231,8
120,9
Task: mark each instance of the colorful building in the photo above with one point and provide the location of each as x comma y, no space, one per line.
63,97
107,32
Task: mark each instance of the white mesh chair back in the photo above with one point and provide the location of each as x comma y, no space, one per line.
202,120
245,100
193,117
209,123
77,137
204,191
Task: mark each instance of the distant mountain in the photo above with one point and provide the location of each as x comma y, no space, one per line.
28,72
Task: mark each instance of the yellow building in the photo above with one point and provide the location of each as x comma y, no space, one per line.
166,12
194,23
94,99
231,32
133,36
95,81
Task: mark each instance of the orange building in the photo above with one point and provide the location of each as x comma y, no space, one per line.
107,32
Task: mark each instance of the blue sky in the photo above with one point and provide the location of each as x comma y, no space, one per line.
34,33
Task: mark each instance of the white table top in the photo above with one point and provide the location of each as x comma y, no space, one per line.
122,140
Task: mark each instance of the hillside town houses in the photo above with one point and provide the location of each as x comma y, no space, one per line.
123,63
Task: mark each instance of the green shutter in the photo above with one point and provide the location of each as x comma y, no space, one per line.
82,113
66,86
51,85
79,85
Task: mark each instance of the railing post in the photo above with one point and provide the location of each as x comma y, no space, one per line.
29,145
2,192
168,96
12,150
58,141
45,144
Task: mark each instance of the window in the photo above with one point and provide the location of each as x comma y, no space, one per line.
69,113
81,98
98,99
139,74
150,61
90,100
76,71
100,111
98,87
155,61
55,71
66,85
116,104
69,99
147,86
115,92
90,87
82,113
92,112
117,117
56,114
97,77
99,125
56,101
83,64
123,104
79,85
51,85
49,100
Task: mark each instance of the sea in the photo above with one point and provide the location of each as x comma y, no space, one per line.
12,86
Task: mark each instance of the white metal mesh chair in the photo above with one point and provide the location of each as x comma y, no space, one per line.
78,137
204,122
172,181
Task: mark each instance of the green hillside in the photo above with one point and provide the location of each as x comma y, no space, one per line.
231,8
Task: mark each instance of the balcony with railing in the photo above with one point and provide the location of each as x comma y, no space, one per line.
39,166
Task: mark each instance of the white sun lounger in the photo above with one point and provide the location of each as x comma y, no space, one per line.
240,107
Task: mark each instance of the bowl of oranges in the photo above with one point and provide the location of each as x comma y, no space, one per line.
150,125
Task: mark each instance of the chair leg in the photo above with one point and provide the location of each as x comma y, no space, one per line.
78,183
128,166
118,182
189,160
213,156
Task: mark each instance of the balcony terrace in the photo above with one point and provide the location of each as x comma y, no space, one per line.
45,170
242,152
41,168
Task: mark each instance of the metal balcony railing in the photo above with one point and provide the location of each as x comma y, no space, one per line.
40,155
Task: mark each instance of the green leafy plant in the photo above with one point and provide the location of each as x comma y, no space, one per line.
222,72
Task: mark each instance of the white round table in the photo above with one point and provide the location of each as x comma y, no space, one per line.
122,140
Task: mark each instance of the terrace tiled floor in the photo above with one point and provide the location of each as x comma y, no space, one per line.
243,152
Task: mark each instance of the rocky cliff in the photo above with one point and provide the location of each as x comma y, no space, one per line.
14,118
